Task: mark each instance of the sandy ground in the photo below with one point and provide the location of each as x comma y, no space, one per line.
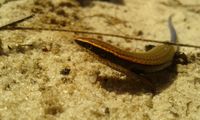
54,78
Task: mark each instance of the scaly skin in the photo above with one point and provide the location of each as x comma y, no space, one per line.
153,60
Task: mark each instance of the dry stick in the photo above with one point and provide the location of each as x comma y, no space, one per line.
16,22
97,33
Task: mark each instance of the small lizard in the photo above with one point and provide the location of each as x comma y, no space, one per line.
130,63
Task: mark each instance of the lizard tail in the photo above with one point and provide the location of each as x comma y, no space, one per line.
172,30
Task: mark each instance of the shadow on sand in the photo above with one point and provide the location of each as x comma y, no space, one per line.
161,80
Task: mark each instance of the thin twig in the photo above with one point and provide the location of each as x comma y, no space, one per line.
104,34
16,21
